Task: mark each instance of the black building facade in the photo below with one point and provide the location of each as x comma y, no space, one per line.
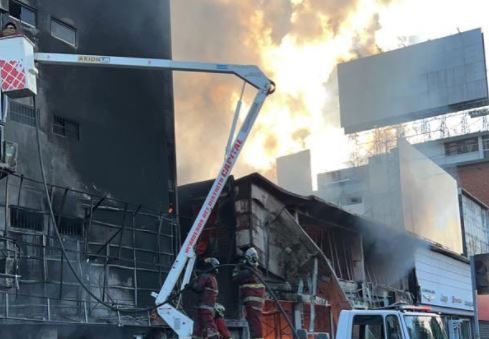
107,140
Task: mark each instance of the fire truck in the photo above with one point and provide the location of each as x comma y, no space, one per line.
399,322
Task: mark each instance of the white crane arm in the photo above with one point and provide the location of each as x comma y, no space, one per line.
249,73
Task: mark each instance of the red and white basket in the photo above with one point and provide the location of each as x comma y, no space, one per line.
17,70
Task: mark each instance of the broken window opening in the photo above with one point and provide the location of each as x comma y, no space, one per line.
25,14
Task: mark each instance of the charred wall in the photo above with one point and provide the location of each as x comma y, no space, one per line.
108,135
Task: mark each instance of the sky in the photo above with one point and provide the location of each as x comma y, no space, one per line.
298,44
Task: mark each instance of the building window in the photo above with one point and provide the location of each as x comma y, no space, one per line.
26,218
462,146
23,13
22,114
485,142
63,32
485,145
66,128
70,226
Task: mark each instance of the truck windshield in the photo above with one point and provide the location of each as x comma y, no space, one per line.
425,327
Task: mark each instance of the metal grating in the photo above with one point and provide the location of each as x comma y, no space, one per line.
70,226
123,250
22,114
26,218
66,128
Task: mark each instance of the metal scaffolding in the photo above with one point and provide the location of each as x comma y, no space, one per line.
122,252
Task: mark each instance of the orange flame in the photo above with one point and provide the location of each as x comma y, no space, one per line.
296,116
297,43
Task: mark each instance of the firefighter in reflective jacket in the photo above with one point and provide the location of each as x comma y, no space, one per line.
206,287
252,291
220,323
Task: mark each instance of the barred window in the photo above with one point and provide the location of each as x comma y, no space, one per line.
66,128
70,226
26,218
22,114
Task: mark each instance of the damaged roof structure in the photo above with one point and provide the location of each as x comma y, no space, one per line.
318,258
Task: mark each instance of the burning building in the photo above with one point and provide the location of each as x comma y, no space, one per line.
317,258
107,141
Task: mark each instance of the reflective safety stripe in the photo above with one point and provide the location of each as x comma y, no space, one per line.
206,307
211,332
211,289
251,298
252,286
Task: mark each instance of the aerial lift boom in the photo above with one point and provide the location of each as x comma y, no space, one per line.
17,53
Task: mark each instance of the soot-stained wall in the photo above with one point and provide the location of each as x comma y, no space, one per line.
125,145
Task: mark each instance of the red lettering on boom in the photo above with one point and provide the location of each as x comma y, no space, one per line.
214,195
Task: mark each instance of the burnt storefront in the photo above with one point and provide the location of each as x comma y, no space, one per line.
317,258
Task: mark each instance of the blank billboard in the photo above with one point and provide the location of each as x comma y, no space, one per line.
429,197
427,79
294,172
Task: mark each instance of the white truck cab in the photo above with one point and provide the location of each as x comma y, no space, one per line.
390,324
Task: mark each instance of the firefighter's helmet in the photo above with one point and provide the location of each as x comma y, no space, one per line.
212,263
220,309
251,256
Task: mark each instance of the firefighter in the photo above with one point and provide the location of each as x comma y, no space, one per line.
252,291
207,289
220,323
9,29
